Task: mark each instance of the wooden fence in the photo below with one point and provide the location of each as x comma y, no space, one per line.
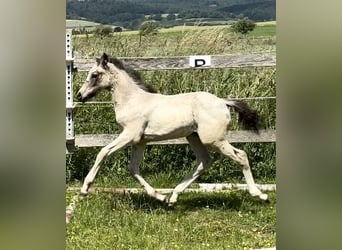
181,63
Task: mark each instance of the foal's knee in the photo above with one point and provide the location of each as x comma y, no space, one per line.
242,157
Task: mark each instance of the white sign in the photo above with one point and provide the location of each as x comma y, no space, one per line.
199,61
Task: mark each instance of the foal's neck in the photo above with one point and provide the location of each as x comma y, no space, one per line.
124,88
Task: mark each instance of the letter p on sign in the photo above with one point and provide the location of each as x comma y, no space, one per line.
199,61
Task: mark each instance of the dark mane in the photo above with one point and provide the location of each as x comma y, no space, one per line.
132,73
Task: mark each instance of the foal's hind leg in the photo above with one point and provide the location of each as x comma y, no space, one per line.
241,157
137,153
202,161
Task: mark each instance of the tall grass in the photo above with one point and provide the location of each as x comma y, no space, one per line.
215,40
225,83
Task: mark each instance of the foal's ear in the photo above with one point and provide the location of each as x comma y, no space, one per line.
104,59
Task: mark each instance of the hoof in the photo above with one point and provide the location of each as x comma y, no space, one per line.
84,194
263,197
160,197
170,202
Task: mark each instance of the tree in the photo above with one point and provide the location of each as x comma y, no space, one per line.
243,26
117,29
148,28
102,31
171,17
157,17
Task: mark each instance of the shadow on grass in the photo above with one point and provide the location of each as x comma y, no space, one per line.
233,201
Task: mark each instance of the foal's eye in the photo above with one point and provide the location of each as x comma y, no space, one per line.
94,75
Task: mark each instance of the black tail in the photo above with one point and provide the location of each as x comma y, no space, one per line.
248,117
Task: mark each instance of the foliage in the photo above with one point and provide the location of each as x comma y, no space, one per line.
257,11
171,17
117,29
243,26
103,31
148,28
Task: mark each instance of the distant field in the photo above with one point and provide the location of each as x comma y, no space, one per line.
262,29
182,28
266,23
79,23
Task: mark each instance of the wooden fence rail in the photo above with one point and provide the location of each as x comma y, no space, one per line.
182,62
101,140
177,63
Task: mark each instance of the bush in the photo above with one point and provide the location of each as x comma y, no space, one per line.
243,26
102,31
148,28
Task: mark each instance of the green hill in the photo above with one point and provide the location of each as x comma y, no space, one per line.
130,13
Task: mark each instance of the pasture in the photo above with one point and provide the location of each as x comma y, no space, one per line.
230,220
79,24
199,221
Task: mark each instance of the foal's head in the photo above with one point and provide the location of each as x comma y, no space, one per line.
104,74
100,77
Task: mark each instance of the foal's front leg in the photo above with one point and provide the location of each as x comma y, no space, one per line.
137,153
121,141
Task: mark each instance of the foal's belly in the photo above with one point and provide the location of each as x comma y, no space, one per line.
169,120
166,133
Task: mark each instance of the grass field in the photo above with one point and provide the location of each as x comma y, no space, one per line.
260,28
198,221
232,220
75,24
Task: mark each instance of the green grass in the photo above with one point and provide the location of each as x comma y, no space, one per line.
264,30
198,221
165,166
